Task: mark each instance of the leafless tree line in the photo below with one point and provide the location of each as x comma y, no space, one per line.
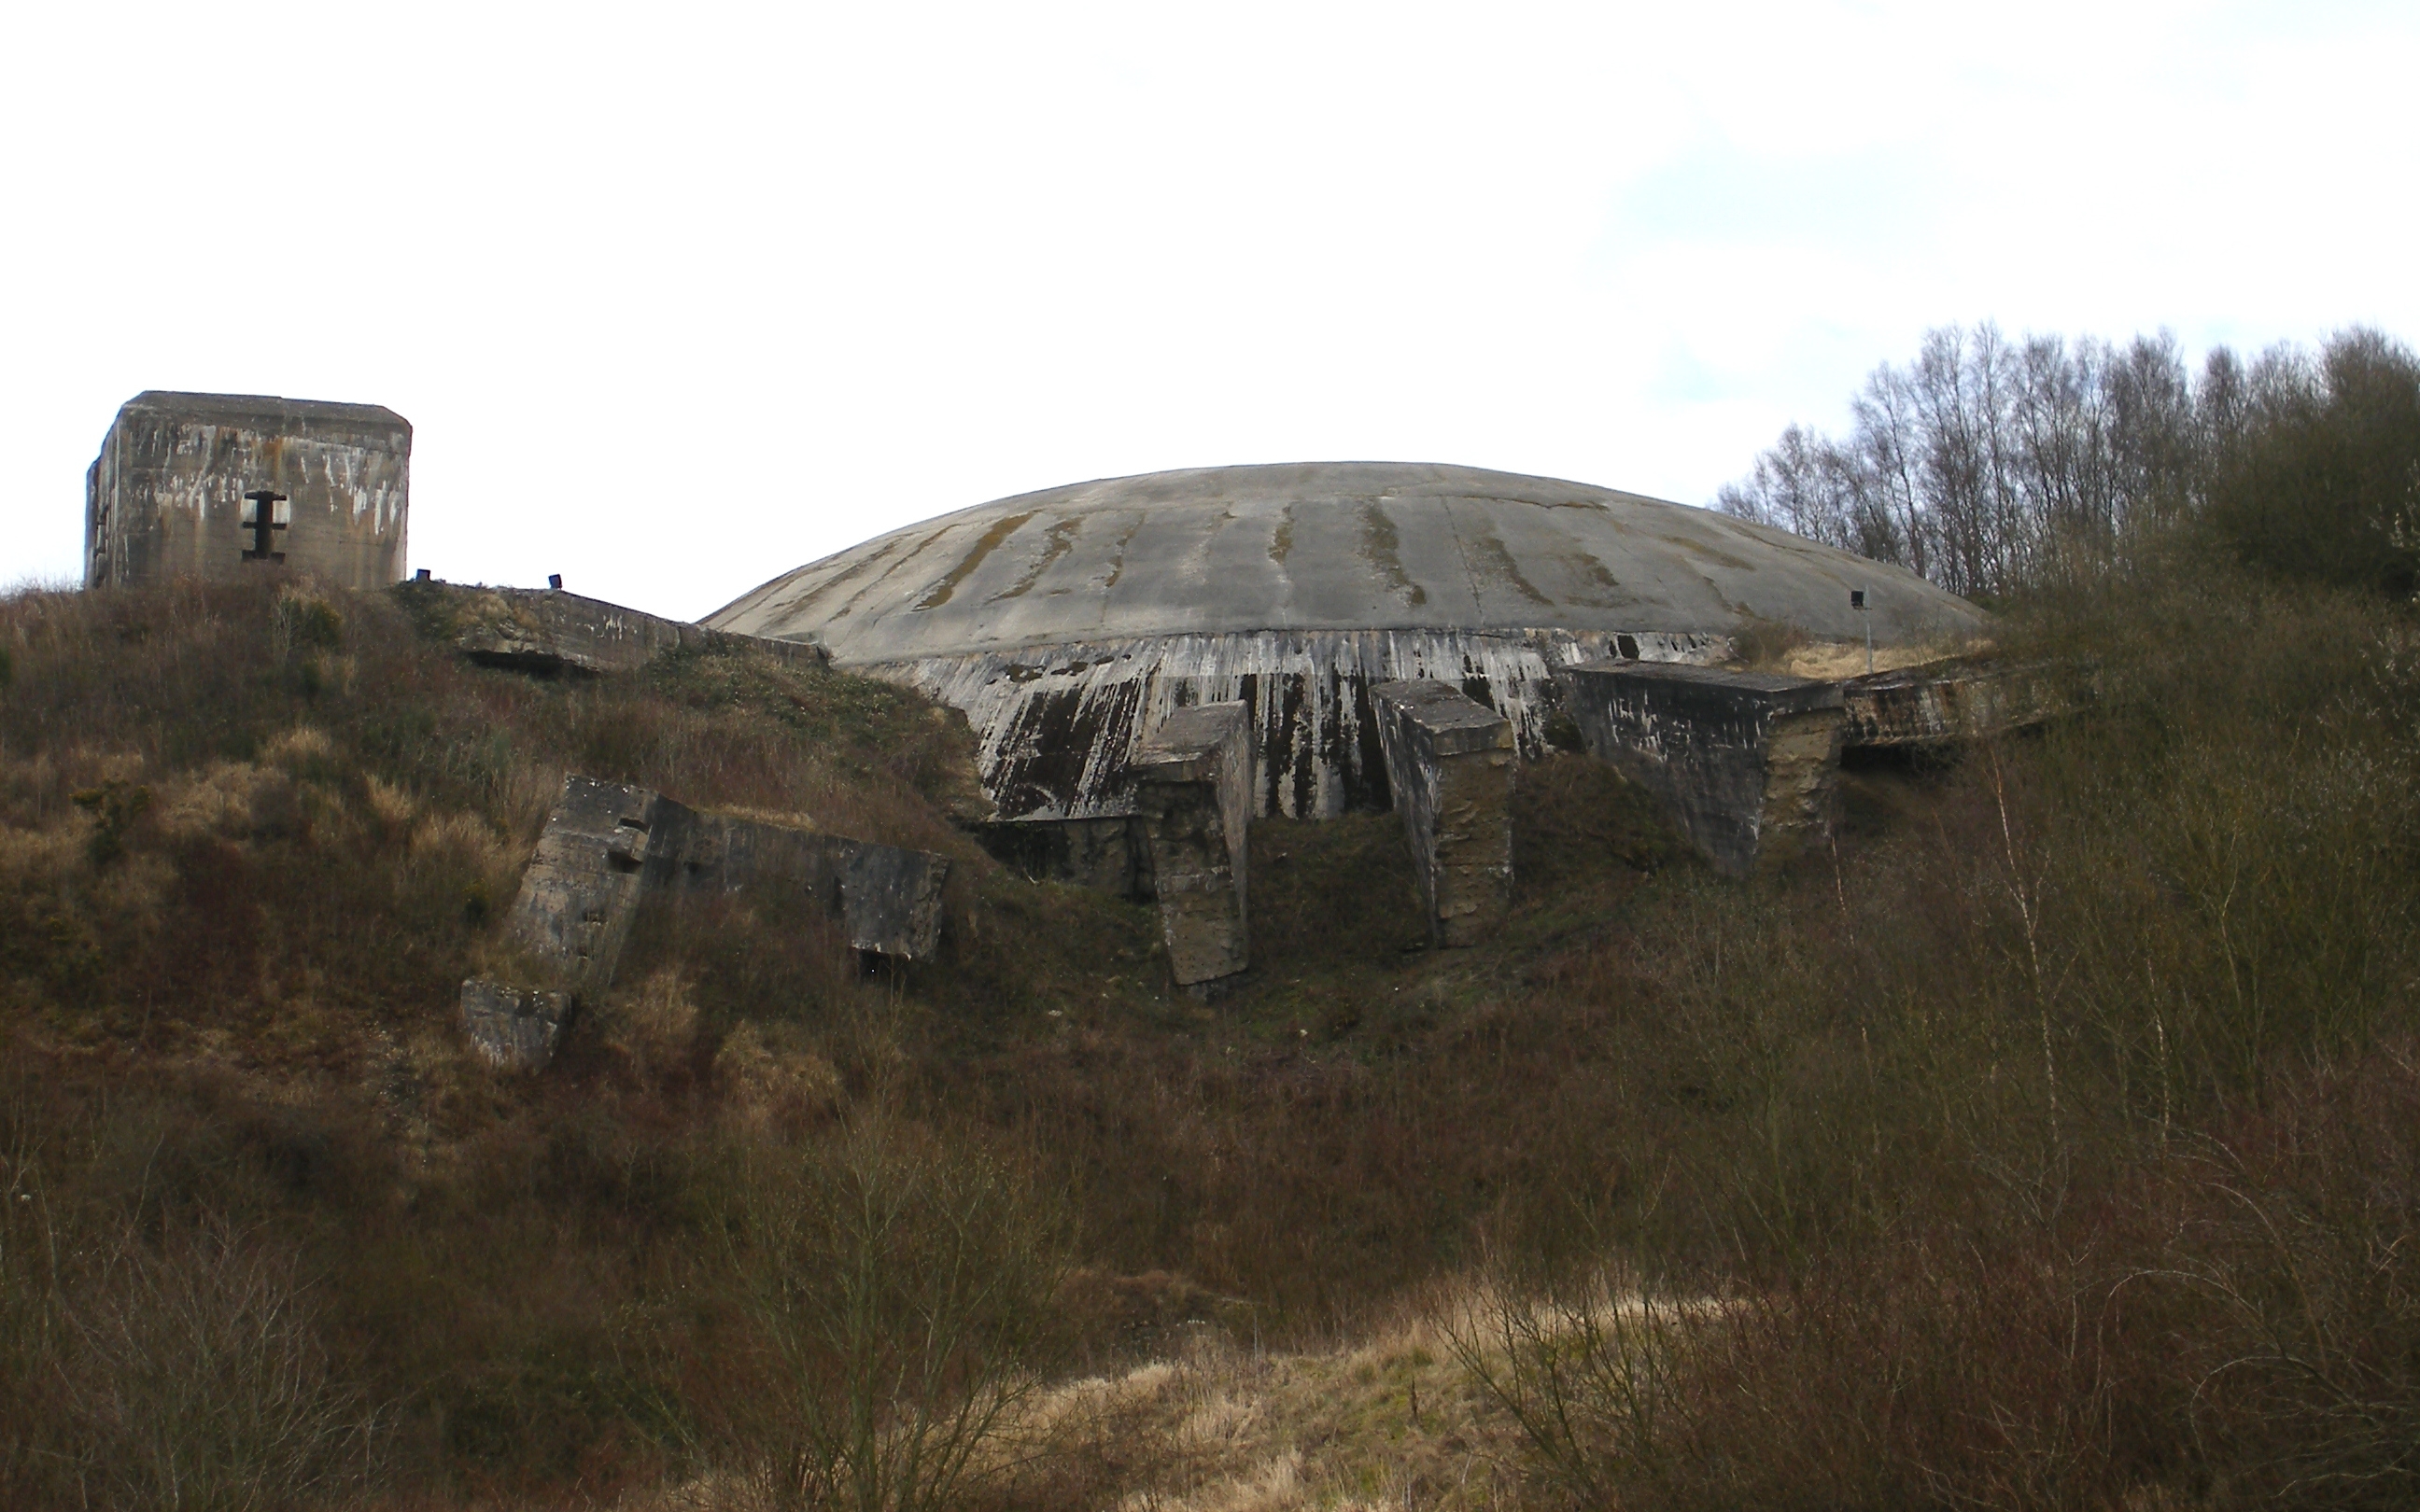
1989,464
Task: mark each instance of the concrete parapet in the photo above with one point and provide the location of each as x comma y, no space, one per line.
1193,798
548,630
608,848
1745,761
1450,762
1954,701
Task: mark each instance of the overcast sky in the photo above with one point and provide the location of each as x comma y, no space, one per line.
679,297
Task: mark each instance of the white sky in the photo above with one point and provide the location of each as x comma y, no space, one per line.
677,298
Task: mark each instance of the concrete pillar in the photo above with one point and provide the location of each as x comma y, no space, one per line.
1745,761
1450,762
1193,795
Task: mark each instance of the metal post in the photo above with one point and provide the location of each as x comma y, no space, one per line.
1857,602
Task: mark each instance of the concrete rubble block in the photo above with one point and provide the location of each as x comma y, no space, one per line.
1745,761
1953,700
607,849
1451,761
888,898
514,1027
547,630
604,847
1193,798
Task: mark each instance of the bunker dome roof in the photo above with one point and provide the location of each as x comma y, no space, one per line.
1325,546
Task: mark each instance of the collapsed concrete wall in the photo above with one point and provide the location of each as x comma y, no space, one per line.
171,494
1193,787
608,848
1743,760
886,899
1451,761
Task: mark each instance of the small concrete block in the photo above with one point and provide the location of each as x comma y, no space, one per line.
891,899
513,1027
1451,761
1193,798
1745,761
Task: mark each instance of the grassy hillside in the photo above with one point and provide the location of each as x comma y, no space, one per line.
2051,1140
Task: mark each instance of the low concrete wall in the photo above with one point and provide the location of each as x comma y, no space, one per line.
546,630
887,899
608,848
1954,701
1108,854
1450,761
1193,795
1745,761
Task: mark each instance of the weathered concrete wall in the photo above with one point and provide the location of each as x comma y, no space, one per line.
1058,725
1954,701
1107,853
1193,786
1745,760
608,848
887,899
164,499
546,630
1451,761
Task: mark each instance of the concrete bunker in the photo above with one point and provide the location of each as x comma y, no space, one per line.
211,486
1072,624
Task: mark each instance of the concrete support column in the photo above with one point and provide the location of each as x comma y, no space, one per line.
1193,796
1450,762
1745,761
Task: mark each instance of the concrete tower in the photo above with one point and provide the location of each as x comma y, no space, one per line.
214,484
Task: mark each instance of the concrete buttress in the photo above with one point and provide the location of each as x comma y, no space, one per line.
1193,793
1450,761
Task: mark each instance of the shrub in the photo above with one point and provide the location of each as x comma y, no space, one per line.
902,1295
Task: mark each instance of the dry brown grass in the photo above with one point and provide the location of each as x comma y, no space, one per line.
2041,1129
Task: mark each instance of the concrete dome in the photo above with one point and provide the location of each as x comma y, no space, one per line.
1068,622
1325,546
